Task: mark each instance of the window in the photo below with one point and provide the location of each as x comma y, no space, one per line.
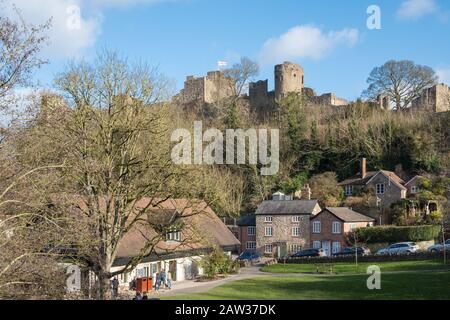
250,245
348,190
296,219
173,236
352,226
336,227
336,247
380,188
268,231
268,248
296,232
317,244
296,248
415,189
316,227
251,231
268,219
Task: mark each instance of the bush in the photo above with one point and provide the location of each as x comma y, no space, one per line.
217,262
397,234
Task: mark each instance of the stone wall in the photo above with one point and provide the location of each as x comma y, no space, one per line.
282,232
436,99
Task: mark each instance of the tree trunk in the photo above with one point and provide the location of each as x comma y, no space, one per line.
104,286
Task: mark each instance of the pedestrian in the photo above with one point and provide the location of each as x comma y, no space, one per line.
158,281
115,287
138,296
163,277
169,283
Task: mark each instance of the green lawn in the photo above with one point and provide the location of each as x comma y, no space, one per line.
340,268
417,285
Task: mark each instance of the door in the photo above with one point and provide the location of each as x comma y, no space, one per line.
326,246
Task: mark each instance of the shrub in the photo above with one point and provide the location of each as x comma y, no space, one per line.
217,262
397,234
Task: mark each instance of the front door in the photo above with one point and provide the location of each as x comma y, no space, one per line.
326,246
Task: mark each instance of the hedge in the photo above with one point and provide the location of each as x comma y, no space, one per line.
398,234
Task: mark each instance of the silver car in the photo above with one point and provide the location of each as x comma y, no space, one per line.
400,248
440,247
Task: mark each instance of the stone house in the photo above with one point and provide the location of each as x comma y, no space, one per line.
247,232
387,185
330,227
283,226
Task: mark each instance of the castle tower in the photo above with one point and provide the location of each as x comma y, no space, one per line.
289,78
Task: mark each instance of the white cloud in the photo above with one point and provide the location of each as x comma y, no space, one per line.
306,41
444,75
415,9
66,41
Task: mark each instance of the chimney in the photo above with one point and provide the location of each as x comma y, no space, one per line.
363,167
399,170
306,192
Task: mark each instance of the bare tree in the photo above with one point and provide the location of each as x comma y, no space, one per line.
20,44
116,147
402,81
243,72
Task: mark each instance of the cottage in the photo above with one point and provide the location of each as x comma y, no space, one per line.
330,227
387,185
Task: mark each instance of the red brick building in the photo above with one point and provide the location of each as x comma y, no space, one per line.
247,232
330,226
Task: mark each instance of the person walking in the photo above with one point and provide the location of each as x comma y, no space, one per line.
115,288
163,276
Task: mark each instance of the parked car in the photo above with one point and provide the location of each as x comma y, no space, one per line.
351,251
309,253
440,247
400,248
250,256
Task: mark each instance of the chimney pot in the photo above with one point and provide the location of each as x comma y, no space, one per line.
363,167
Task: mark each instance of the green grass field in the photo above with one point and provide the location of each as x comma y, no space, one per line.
345,268
401,286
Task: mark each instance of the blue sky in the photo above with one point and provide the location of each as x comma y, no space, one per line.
329,38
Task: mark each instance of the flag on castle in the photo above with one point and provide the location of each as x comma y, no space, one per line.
222,64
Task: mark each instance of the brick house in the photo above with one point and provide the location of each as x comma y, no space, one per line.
387,185
330,226
246,232
283,226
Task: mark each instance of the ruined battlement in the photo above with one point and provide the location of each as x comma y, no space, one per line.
206,90
435,98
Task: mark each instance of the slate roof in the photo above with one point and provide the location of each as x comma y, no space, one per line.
247,220
357,180
347,215
286,207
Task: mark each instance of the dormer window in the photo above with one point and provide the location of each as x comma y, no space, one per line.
173,236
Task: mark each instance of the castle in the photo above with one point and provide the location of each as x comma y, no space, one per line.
289,78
